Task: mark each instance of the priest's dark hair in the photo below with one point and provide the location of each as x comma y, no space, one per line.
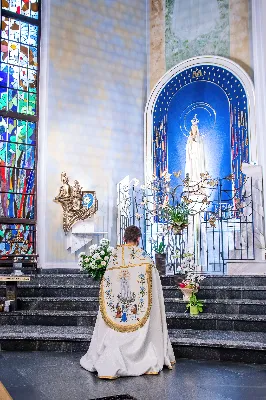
132,234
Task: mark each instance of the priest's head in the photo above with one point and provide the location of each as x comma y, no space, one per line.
132,235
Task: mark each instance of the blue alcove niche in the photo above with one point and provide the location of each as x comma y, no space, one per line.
219,99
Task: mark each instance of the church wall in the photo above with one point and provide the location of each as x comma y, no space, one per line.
198,27
96,93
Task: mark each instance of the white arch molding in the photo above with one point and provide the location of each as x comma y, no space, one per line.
222,62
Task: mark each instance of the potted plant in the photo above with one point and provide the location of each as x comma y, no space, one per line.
191,281
195,306
188,289
177,217
160,257
96,262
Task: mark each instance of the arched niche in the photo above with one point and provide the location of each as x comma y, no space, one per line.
210,79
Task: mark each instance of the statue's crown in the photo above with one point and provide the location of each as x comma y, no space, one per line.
195,120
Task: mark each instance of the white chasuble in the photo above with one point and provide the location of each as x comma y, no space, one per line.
130,337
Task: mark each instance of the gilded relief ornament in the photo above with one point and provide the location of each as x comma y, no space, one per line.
77,204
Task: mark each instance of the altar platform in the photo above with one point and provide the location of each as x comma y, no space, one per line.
57,312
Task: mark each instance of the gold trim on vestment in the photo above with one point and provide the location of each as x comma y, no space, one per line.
130,327
108,377
128,266
151,373
123,255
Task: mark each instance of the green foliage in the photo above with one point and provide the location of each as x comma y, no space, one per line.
194,302
159,248
178,214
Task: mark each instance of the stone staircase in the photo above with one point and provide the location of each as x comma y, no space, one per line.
58,312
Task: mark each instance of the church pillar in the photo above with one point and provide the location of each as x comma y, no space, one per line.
157,66
259,54
42,135
240,34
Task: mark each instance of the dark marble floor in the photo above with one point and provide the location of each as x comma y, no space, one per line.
58,376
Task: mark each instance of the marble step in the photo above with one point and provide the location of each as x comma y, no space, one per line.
80,278
221,306
60,279
214,322
175,320
58,291
49,318
214,306
223,280
59,303
248,347
86,290
222,292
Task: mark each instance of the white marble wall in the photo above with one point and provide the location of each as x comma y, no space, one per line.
93,93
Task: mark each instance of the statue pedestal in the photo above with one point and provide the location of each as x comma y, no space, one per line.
81,234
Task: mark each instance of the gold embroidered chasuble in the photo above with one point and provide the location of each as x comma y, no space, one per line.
126,289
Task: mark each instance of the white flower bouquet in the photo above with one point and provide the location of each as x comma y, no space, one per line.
189,269
96,262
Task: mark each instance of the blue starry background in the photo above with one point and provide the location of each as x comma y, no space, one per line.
219,100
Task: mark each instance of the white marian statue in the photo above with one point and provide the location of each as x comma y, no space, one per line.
195,155
195,166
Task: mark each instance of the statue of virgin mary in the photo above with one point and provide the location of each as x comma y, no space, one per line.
195,155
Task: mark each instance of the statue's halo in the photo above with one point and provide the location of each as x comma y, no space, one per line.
200,108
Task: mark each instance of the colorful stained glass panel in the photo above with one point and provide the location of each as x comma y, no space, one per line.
12,100
23,79
5,28
14,236
29,8
19,63
3,99
23,102
3,153
16,180
18,94
32,80
13,29
19,131
17,155
33,57
14,205
13,77
3,75
33,35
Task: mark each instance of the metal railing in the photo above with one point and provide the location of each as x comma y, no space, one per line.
230,236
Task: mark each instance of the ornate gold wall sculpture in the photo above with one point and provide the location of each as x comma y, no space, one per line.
77,204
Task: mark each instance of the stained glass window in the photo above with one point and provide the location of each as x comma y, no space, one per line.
19,68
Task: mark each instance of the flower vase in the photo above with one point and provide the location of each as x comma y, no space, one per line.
160,261
194,310
187,292
178,229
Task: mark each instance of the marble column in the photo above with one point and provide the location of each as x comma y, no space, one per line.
42,134
157,66
259,52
